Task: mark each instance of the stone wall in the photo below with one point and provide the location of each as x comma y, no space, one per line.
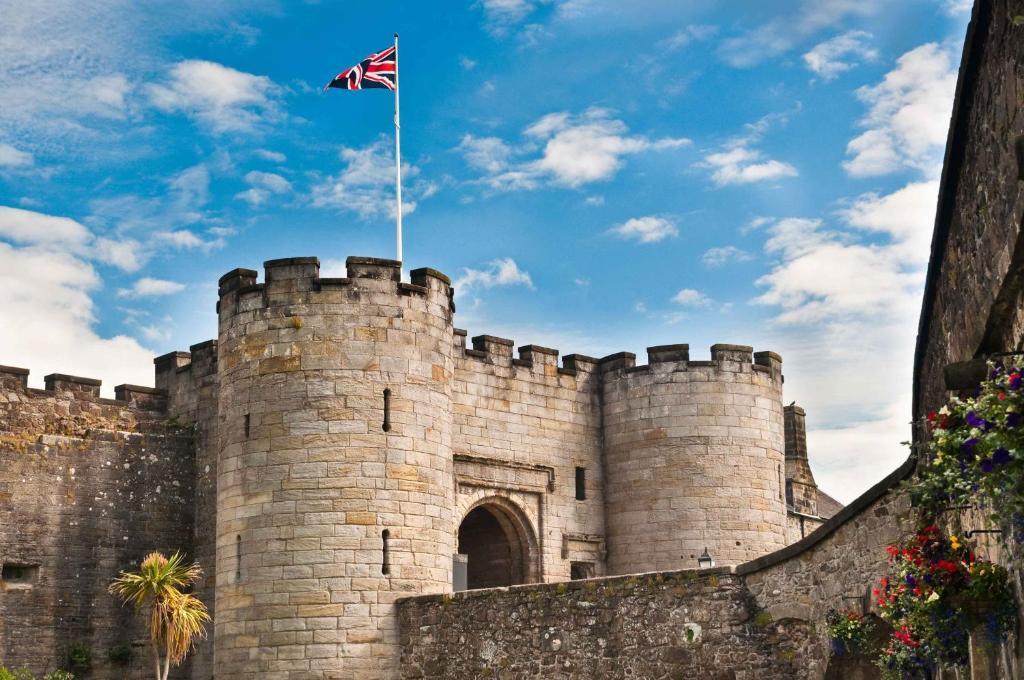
684,624
88,487
974,294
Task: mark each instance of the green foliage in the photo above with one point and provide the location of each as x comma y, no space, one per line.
976,453
120,655
848,630
1018,20
80,656
26,674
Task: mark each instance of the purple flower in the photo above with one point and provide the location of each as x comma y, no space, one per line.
969,444
986,465
1012,419
911,581
1001,456
1014,381
974,420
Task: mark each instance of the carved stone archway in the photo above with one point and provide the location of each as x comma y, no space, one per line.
500,543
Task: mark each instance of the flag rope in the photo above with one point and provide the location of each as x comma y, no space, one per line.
398,164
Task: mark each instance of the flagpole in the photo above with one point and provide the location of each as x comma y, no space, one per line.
398,163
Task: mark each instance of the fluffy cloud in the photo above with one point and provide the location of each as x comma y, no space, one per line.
183,239
490,154
269,155
220,98
717,257
500,272
125,254
741,165
149,287
262,185
689,297
574,150
47,298
646,229
501,15
688,34
908,115
29,227
366,185
786,31
830,58
848,297
14,158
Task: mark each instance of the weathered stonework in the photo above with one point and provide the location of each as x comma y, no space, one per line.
88,486
683,624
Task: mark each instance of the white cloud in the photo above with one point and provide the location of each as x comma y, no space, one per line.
47,299
848,299
262,186
366,185
717,257
908,115
501,15
466,63
905,215
594,200
688,34
150,287
955,7
786,31
738,163
28,227
183,239
489,154
843,52
689,297
14,158
577,150
219,97
741,165
500,272
269,155
125,254
648,229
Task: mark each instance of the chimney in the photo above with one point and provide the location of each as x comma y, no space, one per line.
801,489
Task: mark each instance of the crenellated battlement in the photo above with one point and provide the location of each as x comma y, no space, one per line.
285,278
81,389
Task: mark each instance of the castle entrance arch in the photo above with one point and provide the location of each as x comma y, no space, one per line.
500,545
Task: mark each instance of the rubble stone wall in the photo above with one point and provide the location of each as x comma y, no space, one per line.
88,487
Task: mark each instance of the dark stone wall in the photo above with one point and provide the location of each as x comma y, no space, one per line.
973,298
88,487
683,624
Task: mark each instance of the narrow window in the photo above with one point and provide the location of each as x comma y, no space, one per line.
238,553
20,575
385,563
581,484
387,410
782,483
246,425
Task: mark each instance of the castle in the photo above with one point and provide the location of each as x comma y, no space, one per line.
339,446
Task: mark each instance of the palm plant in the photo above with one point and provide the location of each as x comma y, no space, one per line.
176,618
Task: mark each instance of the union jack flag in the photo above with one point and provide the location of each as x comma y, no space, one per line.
377,71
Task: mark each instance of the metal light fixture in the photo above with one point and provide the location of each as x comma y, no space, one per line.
705,561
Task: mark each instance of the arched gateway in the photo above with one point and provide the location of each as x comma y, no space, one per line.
500,544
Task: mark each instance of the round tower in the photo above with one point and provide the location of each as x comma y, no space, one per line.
694,456
335,490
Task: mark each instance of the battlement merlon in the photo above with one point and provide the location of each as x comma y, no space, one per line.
85,389
284,278
724,357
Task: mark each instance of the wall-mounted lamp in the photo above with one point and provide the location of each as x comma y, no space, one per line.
705,561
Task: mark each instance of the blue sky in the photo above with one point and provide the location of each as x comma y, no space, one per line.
596,176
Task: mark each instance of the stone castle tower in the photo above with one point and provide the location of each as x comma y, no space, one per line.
348,449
